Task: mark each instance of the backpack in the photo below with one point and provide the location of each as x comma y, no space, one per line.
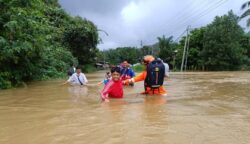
71,71
155,74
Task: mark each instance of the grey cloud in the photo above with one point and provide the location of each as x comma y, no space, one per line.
130,21
102,7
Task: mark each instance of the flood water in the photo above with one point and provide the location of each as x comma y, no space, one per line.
201,108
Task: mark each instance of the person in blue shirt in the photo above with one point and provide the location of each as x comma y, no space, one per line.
126,72
108,77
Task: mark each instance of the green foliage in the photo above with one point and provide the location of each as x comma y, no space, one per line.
146,50
221,45
31,40
245,42
82,40
166,47
118,55
100,56
195,60
88,68
138,68
222,48
3,82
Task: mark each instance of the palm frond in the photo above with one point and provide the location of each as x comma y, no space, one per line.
243,6
245,14
246,4
248,22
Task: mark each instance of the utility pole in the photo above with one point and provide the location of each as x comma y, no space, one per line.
187,53
142,47
152,50
184,50
104,57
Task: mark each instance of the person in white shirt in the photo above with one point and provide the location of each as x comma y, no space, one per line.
77,78
166,67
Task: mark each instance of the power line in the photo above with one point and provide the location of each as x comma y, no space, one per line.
210,7
186,47
205,12
188,19
201,6
194,12
213,9
180,15
180,35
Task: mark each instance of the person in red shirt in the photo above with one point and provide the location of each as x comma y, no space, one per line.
114,88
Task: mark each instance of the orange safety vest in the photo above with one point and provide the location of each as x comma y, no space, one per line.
141,77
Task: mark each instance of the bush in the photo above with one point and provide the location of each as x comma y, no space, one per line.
31,41
138,68
4,83
88,68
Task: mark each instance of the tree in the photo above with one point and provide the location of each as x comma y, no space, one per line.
166,47
195,60
31,40
118,55
82,40
222,49
146,50
245,42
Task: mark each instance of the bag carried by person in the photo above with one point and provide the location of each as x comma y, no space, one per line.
71,71
155,74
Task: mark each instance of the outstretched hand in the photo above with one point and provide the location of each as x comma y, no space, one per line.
91,85
125,82
62,84
106,100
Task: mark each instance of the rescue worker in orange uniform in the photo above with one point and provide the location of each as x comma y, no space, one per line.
142,76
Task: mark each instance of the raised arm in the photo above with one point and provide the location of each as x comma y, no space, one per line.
139,77
107,89
68,81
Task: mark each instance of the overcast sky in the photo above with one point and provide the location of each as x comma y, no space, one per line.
130,21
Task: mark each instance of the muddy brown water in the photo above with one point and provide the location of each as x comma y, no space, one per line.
201,108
